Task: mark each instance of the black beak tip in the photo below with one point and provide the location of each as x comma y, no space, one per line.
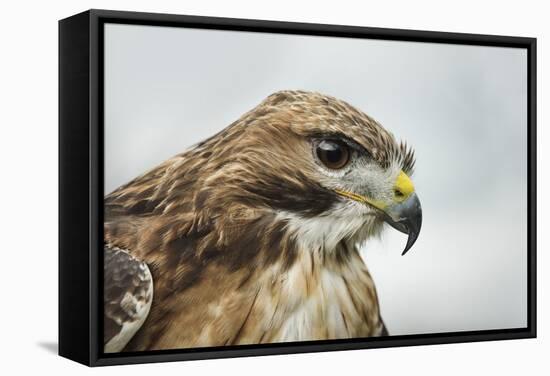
409,214
410,242
413,232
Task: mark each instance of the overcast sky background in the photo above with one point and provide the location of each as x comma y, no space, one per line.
463,108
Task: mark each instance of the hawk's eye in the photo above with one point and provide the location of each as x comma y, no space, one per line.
333,154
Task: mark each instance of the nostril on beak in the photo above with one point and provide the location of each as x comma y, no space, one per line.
403,187
398,193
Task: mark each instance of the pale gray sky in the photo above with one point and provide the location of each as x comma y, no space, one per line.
463,108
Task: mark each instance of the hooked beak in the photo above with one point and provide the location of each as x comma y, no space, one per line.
406,217
404,213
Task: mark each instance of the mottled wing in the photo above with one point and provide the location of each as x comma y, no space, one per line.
127,297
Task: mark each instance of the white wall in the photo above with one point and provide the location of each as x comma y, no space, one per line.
28,82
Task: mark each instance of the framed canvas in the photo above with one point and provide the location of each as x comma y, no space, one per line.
234,187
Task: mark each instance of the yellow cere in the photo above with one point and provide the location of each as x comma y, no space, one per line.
403,187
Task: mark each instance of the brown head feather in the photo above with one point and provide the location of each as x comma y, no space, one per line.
245,173
215,205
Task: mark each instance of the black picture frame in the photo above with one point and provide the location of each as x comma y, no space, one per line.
81,185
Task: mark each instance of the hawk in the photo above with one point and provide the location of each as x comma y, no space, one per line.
252,235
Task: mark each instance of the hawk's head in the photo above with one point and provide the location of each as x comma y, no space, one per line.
301,167
327,170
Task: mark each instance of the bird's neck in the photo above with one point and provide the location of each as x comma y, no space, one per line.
318,296
329,234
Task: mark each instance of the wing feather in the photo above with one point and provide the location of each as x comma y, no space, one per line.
127,297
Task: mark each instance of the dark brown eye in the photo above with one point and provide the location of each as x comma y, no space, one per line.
333,154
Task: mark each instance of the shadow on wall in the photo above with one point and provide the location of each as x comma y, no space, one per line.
51,347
